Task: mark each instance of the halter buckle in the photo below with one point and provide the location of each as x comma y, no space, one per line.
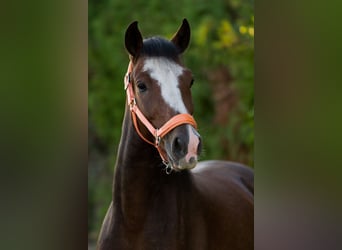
157,137
132,103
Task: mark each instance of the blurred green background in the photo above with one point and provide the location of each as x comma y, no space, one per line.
221,57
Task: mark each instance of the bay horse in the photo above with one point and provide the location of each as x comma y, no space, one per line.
163,198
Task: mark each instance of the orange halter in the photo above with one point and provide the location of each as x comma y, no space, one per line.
158,134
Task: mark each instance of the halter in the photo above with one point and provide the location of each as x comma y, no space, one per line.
158,133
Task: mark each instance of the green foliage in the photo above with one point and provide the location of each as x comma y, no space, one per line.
222,36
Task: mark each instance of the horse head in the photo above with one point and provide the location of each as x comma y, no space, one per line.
160,87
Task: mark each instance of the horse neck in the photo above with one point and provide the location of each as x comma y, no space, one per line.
137,172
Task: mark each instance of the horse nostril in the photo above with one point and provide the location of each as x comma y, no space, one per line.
179,147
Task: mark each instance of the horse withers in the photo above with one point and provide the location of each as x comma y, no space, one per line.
163,198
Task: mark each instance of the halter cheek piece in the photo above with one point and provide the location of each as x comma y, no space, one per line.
158,134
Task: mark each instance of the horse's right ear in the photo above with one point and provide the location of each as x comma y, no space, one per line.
133,40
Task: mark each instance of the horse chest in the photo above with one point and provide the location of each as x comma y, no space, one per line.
168,224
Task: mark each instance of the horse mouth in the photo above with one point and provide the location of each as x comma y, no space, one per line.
182,164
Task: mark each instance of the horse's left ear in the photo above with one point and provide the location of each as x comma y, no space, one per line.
182,37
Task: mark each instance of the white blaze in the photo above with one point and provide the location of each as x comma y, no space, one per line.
166,73
193,144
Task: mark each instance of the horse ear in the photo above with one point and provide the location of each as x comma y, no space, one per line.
182,37
133,39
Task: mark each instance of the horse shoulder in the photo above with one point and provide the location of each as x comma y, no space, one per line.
225,173
225,194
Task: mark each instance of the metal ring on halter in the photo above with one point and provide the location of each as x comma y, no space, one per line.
168,168
157,139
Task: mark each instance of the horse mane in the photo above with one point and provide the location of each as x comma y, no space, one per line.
159,47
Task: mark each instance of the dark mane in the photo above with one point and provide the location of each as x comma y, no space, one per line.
157,46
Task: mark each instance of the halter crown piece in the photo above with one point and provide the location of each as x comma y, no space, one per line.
158,133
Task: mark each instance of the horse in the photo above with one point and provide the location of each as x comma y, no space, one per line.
163,197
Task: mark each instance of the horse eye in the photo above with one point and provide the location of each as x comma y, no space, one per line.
142,87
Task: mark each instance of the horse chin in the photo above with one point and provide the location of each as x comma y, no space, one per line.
183,165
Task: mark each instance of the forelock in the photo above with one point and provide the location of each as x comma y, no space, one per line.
159,47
